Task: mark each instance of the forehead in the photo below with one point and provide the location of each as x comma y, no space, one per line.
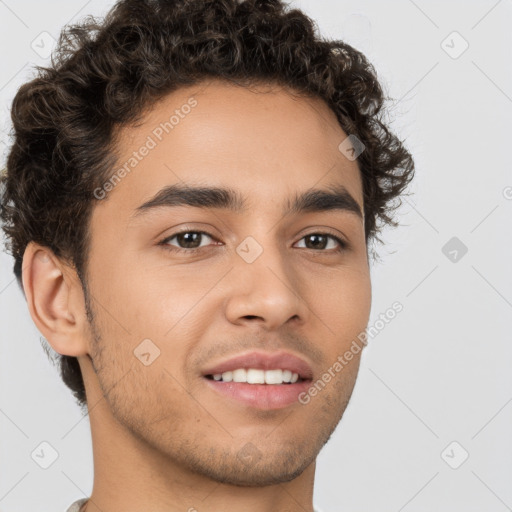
264,141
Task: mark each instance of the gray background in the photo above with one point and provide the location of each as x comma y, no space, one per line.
440,371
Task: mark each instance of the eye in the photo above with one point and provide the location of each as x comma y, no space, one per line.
191,241
320,241
188,241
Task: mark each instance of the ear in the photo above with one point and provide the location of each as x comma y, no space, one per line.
55,300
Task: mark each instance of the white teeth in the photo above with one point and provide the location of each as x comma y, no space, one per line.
287,375
240,375
257,376
274,376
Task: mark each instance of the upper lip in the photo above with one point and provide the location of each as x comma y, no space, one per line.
263,361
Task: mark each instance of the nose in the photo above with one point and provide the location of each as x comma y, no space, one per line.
266,291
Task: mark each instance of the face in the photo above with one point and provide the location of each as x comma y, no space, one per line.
179,284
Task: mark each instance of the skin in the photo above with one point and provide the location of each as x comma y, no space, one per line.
162,440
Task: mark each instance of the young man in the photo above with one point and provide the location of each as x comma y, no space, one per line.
189,201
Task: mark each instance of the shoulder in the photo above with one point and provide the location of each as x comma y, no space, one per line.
75,506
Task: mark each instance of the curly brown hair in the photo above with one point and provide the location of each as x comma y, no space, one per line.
106,73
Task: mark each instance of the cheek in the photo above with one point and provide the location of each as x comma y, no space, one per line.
166,299
342,300
143,299
158,310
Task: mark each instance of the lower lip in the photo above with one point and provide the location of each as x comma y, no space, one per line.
261,396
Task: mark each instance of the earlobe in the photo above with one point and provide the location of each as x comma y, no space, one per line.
50,288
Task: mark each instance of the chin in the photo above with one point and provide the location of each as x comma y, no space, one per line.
251,467
241,475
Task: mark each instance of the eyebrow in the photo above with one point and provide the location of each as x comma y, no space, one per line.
336,197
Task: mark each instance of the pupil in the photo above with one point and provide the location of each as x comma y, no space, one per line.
316,238
191,240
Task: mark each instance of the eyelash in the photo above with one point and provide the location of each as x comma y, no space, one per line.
343,246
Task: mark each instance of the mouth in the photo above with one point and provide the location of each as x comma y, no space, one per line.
261,380
257,376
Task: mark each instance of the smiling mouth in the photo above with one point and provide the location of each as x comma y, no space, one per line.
259,389
274,377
